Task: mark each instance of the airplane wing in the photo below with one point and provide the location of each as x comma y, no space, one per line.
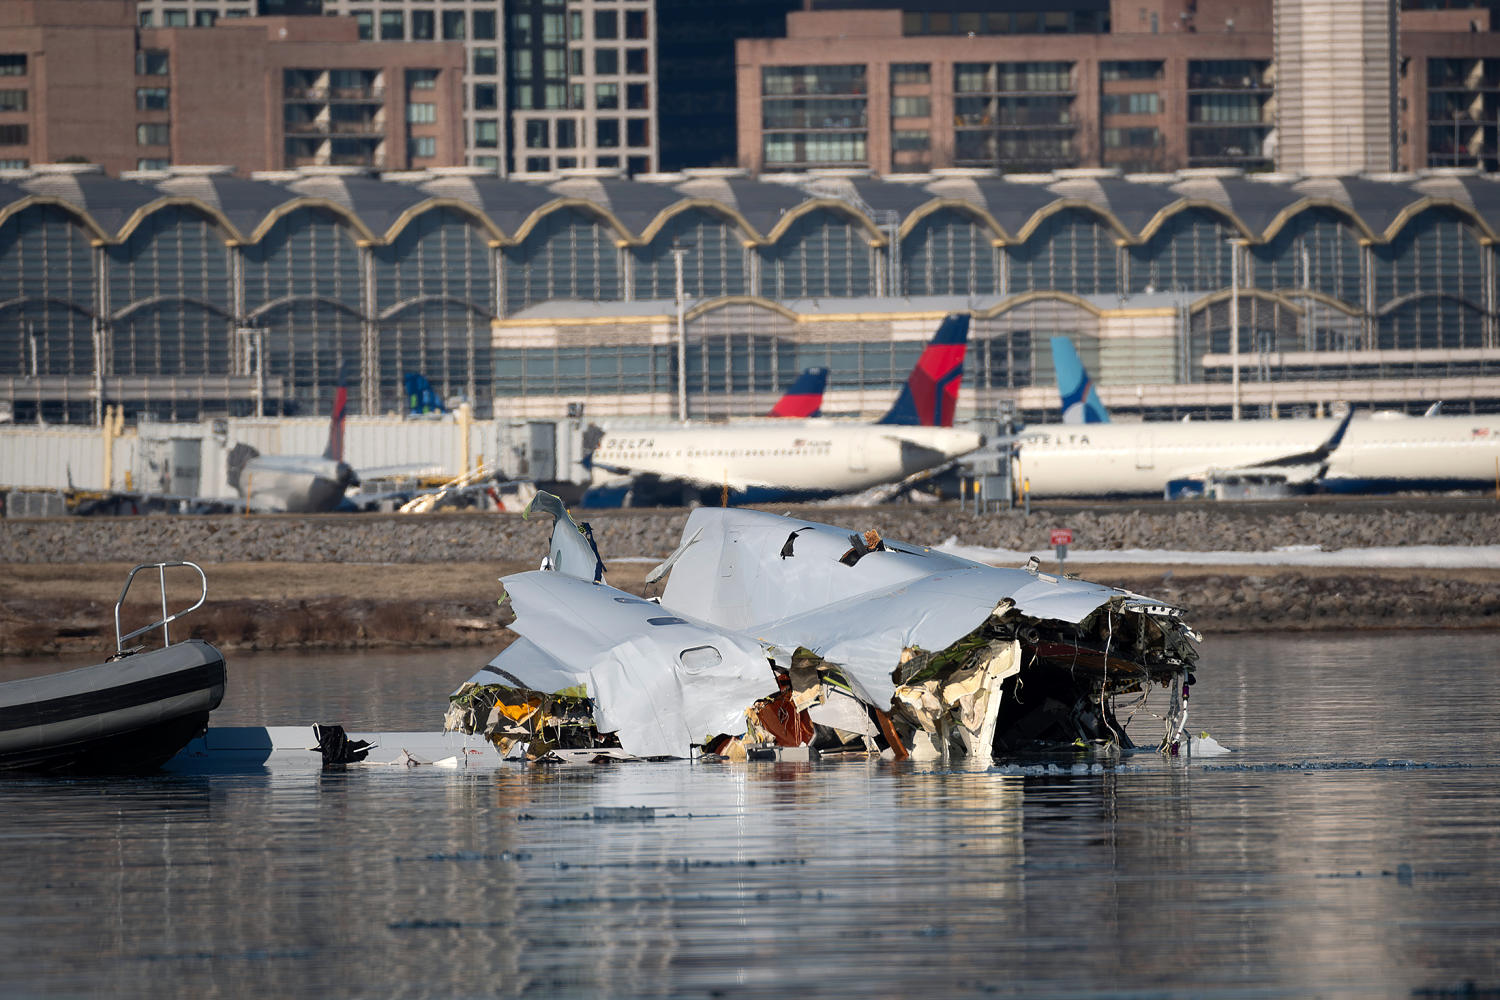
1295,469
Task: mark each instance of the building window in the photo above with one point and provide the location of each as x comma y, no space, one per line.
485,98
453,27
606,24
575,25
520,62
1132,69
175,18
151,62
392,26
485,63
635,24
575,62
607,133
422,147
366,22
911,73
1131,138
151,98
421,114
12,100
911,107
423,27
538,164
237,12
554,63
815,148
13,135
911,140
14,164
536,133
636,96
606,61
554,96
575,96
152,163
145,18
422,79
487,134
637,132
520,29
12,64
1130,104
607,161
606,95
488,162
152,134
638,165
205,18
563,162
553,30
785,81
635,61
567,133
484,25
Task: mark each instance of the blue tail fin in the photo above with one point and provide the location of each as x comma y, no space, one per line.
931,392
1080,399
805,397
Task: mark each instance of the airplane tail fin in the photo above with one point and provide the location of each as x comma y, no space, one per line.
335,449
805,397
931,391
1080,399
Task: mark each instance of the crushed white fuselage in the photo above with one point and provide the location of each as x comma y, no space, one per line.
778,631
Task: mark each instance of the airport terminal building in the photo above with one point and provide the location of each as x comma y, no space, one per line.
190,293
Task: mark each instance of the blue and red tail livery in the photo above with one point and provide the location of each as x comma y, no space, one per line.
931,392
335,449
1080,399
805,397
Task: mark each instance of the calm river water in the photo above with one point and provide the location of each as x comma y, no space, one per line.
1348,847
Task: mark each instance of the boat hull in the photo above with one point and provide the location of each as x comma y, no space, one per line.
123,717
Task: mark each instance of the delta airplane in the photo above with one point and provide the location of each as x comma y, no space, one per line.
793,460
295,484
1381,453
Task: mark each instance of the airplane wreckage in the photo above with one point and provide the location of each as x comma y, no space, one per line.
775,633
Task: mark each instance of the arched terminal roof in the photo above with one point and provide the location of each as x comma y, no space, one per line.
1011,206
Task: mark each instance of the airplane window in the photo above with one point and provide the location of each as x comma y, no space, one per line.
670,620
700,658
630,600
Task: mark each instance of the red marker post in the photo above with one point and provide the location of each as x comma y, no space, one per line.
1061,539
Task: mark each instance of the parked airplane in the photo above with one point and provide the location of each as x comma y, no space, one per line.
787,460
1080,399
296,484
1385,453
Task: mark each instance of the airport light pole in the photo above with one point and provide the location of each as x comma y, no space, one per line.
677,252
1234,326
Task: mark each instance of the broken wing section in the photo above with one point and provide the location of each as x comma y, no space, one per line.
657,681
571,549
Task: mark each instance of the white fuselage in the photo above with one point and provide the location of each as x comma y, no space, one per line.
1141,458
812,456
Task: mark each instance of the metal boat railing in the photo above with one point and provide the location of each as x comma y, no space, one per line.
161,569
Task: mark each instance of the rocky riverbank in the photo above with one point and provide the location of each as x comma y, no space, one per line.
364,581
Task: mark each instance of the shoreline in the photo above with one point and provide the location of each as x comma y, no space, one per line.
376,581
49,609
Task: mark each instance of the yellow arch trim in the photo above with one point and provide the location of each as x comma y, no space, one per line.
873,236
411,215
140,215
1181,205
1277,298
1044,295
1062,205
32,200
296,204
936,205
724,301
533,220
704,204
1286,215
1409,214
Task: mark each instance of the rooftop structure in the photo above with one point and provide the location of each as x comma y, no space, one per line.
192,292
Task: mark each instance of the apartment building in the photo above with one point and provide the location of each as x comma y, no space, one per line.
547,84
84,82
1317,86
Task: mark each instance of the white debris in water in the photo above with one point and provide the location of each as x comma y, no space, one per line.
1204,745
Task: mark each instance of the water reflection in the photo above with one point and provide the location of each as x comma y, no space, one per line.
837,879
